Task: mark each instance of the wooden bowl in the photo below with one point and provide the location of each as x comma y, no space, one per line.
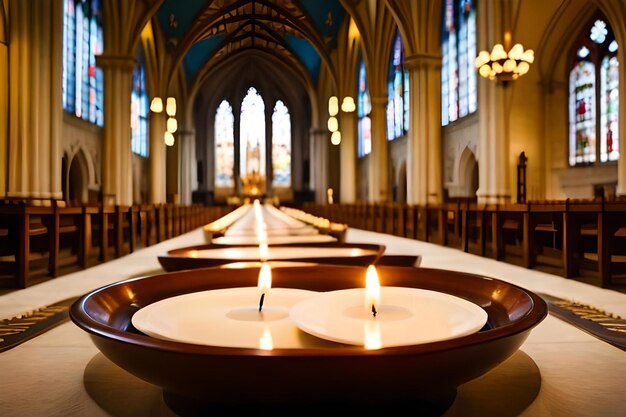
209,255
206,378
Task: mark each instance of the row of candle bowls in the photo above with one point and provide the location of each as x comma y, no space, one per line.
297,329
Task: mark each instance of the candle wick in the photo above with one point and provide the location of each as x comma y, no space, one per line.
261,301
373,310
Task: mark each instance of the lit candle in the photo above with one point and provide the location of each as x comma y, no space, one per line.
393,316
372,289
231,317
266,342
265,282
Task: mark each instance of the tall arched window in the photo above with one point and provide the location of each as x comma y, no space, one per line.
252,139
397,91
458,49
224,145
281,145
82,41
364,108
593,95
139,108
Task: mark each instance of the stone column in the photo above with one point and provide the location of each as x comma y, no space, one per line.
493,154
424,160
347,125
379,158
494,101
172,171
319,163
158,163
35,112
187,165
116,147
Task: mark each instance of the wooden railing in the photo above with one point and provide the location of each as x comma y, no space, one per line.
42,239
571,238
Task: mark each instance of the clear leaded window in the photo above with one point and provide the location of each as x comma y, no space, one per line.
281,145
252,139
224,145
594,97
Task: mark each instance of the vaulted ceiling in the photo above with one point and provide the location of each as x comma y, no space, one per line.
204,33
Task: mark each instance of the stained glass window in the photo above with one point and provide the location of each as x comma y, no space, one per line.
139,108
397,89
281,145
224,145
364,108
82,40
252,139
593,93
458,49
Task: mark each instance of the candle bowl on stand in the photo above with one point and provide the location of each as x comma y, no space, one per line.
209,255
198,378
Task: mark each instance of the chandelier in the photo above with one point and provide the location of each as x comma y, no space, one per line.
502,65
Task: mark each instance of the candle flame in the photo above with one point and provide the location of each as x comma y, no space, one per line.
265,277
265,341
264,252
372,289
372,339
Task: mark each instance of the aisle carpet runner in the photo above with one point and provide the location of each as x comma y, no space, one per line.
607,327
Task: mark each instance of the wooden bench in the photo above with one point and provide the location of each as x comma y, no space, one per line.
66,238
613,270
547,240
512,237
25,243
435,224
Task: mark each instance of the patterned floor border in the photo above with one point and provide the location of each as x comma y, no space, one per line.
23,327
605,326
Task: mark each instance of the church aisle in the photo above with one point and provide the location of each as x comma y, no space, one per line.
559,370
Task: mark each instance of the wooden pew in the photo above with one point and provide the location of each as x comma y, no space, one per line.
512,234
547,239
584,239
435,224
613,240
66,238
474,229
452,222
25,243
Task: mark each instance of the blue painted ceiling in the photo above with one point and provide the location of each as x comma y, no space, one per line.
177,17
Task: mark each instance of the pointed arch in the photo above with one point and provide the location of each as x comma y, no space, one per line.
467,174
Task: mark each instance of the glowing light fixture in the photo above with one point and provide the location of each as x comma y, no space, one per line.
333,124
335,138
168,138
170,107
503,63
348,105
172,125
333,106
156,105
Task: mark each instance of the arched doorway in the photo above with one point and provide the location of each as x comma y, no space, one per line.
468,174
78,180
401,192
